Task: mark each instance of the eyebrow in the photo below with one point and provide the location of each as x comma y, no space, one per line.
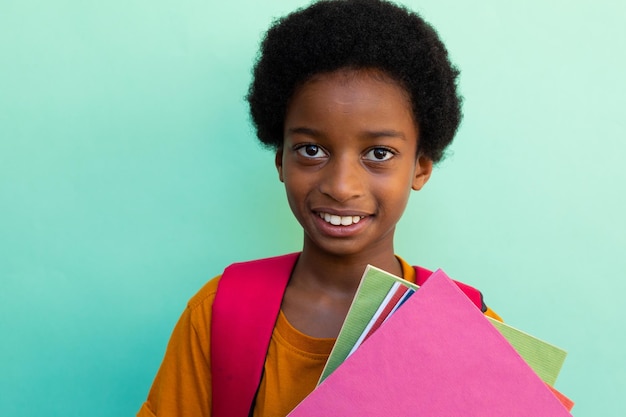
304,131
375,134
372,134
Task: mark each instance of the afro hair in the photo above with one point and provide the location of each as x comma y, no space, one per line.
356,34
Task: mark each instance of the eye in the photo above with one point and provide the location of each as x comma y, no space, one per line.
379,154
311,151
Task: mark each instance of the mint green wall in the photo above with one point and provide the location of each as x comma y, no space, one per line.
129,176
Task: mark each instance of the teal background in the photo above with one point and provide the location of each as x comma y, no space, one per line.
129,175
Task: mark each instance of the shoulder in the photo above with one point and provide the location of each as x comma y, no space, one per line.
256,274
200,307
205,295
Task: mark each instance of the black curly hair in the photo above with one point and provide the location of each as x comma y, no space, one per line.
356,34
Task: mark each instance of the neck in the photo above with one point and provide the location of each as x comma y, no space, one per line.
341,273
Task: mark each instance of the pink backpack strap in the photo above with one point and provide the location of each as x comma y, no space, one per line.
245,309
422,274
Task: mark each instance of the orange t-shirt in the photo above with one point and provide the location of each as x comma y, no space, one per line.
293,365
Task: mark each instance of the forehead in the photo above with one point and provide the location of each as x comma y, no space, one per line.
349,100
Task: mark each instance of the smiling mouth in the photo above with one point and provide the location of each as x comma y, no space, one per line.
339,220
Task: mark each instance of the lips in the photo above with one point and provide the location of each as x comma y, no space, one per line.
337,220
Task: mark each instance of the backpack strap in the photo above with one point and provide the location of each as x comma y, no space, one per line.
422,274
245,309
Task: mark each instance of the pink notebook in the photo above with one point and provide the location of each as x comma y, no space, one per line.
436,356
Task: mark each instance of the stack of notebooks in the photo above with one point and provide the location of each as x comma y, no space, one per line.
429,352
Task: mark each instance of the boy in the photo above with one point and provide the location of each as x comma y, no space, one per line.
358,99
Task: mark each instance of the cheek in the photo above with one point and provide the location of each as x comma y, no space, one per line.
394,184
296,191
394,194
293,182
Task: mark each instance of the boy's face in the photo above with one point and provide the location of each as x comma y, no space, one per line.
349,161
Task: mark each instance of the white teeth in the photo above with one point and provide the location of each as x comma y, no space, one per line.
340,220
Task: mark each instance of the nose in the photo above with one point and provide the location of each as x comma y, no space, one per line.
342,179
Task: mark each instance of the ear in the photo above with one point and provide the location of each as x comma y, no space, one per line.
423,169
278,160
